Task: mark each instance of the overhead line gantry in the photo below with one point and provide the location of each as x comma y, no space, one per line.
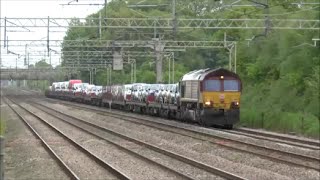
159,23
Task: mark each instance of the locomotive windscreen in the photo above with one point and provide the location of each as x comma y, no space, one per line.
231,85
215,85
212,85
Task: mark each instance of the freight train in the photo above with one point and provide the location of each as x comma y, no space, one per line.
206,96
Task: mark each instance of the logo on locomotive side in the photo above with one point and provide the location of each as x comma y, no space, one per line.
221,96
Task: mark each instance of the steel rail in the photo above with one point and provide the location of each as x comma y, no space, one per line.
182,158
210,138
104,164
62,165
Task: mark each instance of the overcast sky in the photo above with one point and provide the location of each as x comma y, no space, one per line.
39,9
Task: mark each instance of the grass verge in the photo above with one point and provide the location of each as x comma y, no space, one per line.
3,117
284,122
2,126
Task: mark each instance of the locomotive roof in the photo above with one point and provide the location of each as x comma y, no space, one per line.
199,75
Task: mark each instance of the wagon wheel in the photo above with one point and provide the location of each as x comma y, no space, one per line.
202,123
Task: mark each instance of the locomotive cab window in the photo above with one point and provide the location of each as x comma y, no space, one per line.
212,85
231,85
221,85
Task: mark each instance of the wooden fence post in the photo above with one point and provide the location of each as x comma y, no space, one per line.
262,120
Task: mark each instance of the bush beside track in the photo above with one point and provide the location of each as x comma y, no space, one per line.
263,112
283,122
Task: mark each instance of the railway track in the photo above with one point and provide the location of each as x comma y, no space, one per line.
74,148
256,134
291,158
196,164
312,144
52,153
273,137
302,143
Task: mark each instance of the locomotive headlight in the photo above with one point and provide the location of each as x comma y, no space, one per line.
236,103
208,103
221,77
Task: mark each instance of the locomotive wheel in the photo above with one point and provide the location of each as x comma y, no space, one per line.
228,126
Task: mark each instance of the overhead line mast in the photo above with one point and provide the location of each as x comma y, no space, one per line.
174,17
